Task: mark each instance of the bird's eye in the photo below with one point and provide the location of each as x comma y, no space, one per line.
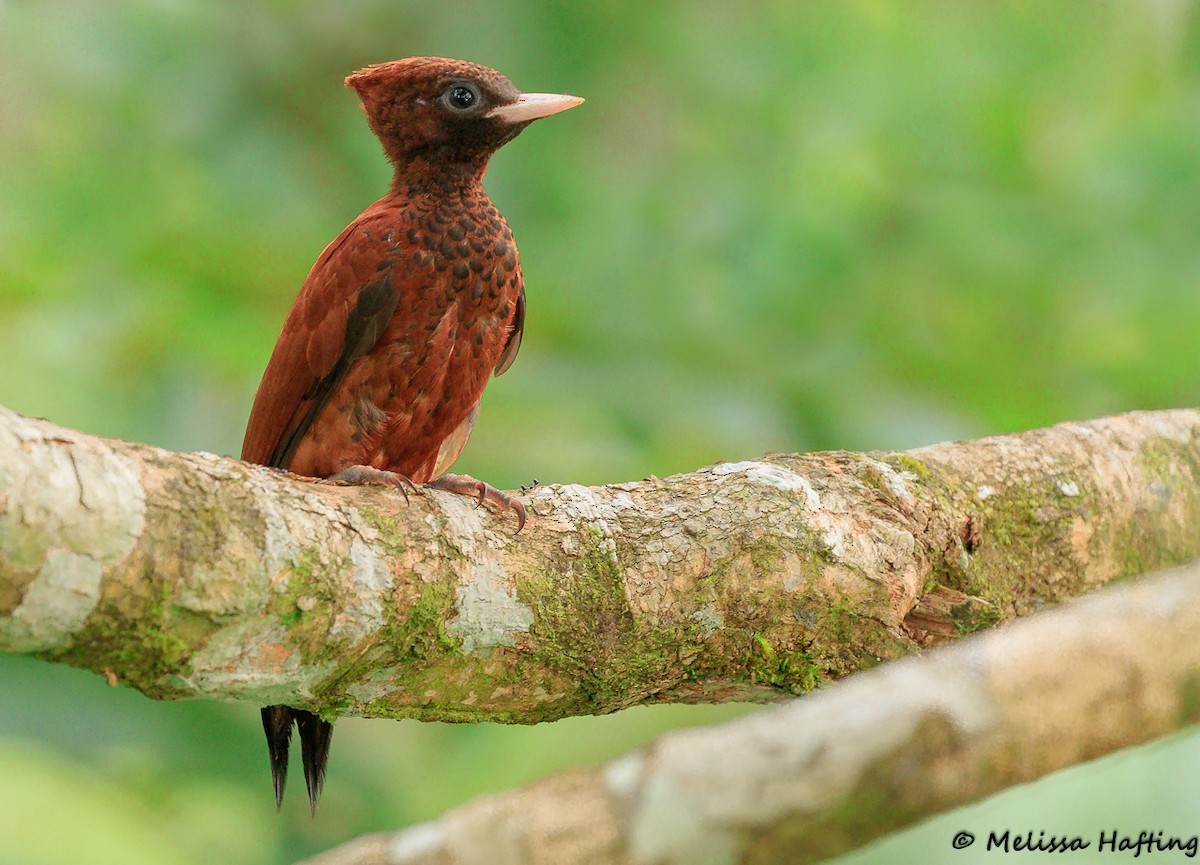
461,97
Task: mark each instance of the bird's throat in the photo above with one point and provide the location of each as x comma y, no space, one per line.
419,176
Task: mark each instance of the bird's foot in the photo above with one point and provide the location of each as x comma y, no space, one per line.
465,485
363,475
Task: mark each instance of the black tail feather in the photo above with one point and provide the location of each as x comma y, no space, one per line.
315,735
277,724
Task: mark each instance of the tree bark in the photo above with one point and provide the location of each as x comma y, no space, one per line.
192,575
830,773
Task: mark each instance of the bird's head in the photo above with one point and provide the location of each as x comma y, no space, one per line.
438,113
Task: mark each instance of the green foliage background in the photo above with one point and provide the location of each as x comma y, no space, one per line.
773,226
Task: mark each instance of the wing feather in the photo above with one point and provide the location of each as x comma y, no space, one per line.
514,337
335,320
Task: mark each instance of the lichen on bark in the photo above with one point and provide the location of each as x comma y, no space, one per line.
811,780
757,580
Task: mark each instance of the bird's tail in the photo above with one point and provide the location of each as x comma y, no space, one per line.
315,735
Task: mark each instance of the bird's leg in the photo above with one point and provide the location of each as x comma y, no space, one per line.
465,485
362,475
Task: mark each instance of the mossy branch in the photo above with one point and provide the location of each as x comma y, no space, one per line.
827,774
191,575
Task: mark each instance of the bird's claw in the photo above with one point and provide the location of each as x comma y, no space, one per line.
482,493
519,508
363,475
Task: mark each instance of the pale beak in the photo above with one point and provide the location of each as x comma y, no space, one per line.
531,106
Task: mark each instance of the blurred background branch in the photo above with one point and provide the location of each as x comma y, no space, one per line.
798,227
832,772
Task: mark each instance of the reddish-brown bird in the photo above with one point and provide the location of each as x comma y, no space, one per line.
377,374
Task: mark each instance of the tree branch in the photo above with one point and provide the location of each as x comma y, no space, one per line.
191,575
832,772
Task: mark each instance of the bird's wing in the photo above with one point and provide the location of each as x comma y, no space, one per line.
339,315
514,337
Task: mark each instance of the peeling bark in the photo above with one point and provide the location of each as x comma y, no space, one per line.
858,760
191,575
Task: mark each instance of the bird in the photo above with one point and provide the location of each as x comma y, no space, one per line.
380,365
